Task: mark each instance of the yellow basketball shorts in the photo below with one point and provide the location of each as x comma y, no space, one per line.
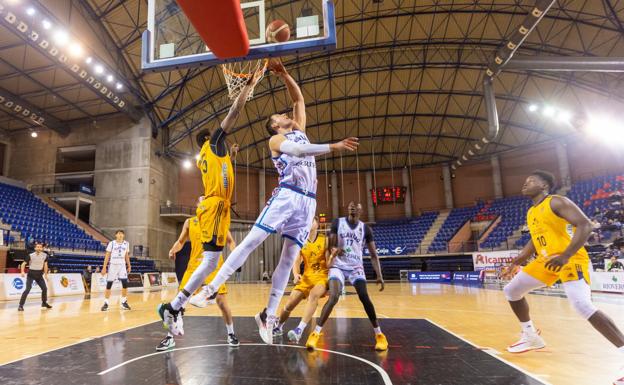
193,264
574,270
214,220
308,282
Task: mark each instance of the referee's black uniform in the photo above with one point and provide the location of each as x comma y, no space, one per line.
36,262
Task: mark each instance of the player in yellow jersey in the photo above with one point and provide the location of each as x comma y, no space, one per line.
311,285
192,232
559,229
213,212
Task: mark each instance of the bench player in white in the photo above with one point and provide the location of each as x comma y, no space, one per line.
118,254
347,238
292,207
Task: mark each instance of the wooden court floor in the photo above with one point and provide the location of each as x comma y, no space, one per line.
575,353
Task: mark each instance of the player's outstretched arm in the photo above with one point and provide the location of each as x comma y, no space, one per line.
179,243
280,144
299,114
230,119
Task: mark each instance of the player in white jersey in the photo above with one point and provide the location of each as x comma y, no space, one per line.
347,238
293,205
118,254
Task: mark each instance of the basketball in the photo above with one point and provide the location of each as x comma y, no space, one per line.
278,31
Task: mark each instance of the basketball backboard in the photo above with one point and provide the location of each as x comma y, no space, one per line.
171,42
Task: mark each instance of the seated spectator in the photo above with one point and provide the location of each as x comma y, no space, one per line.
615,265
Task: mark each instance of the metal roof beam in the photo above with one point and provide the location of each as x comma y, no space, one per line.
567,64
27,112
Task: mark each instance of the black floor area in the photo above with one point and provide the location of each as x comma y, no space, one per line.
420,353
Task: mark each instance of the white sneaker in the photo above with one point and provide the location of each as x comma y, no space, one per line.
172,320
166,344
528,341
199,300
295,335
266,324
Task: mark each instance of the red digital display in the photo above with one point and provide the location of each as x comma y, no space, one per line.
393,194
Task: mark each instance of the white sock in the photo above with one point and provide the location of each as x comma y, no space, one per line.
106,301
281,275
124,299
621,349
318,329
528,326
230,328
302,325
377,330
237,258
208,265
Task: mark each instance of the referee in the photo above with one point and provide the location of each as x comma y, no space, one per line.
37,269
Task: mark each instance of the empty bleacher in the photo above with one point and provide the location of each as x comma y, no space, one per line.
456,219
512,212
71,263
406,234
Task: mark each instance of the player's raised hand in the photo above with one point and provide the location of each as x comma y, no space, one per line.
276,66
349,144
256,76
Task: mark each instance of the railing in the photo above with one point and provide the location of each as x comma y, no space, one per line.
61,188
177,210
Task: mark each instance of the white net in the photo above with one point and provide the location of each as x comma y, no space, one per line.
238,74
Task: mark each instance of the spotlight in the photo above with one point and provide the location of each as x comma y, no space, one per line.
187,164
533,107
46,24
197,157
34,134
119,86
61,38
110,78
75,49
88,60
605,129
30,11
99,69
564,116
549,111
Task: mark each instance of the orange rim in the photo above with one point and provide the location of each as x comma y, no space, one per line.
228,72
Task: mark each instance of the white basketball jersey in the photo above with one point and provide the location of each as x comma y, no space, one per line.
297,171
352,242
118,252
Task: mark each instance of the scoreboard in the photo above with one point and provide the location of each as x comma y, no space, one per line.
392,194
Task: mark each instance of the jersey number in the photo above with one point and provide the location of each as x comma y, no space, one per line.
349,242
541,240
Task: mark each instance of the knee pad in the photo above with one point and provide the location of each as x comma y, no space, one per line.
124,283
519,286
579,295
109,285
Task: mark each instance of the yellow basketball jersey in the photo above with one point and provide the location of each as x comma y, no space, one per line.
217,173
313,254
550,233
195,237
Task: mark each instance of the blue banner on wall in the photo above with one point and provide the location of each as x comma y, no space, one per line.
468,277
389,250
433,276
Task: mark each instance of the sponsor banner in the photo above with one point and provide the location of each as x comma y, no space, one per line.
433,276
609,282
468,276
169,280
135,280
492,260
390,250
98,283
151,279
13,285
65,284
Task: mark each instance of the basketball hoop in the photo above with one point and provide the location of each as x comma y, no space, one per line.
238,74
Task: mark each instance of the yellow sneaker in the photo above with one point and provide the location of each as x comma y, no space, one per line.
312,340
382,342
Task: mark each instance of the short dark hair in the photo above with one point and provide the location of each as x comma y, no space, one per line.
120,231
202,137
38,243
547,177
269,125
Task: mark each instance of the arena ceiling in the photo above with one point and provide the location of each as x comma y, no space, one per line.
405,78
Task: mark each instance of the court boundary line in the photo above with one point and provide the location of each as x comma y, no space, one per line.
86,339
384,375
533,376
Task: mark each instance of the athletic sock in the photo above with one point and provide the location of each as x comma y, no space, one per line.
230,328
377,330
106,301
318,329
180,300
302,326
528,326
124,299
621,349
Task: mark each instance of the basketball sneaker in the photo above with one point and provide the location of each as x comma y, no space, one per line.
232,340
104,307
212,300
20,308
381,343
295,335
265,326
172,319
528,341
166,344
125,306
278,331
199,300
312,340
46,305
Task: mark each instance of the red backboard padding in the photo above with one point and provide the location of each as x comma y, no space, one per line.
220,24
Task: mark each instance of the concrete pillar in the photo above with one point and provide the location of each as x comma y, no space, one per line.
7,158
261,189
77,214
564,165
408,193
370,209
334,195
448,188
496,177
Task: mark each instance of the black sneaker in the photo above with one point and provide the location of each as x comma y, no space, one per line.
232,340
166,344
104,307
125,306
20,308
46,305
